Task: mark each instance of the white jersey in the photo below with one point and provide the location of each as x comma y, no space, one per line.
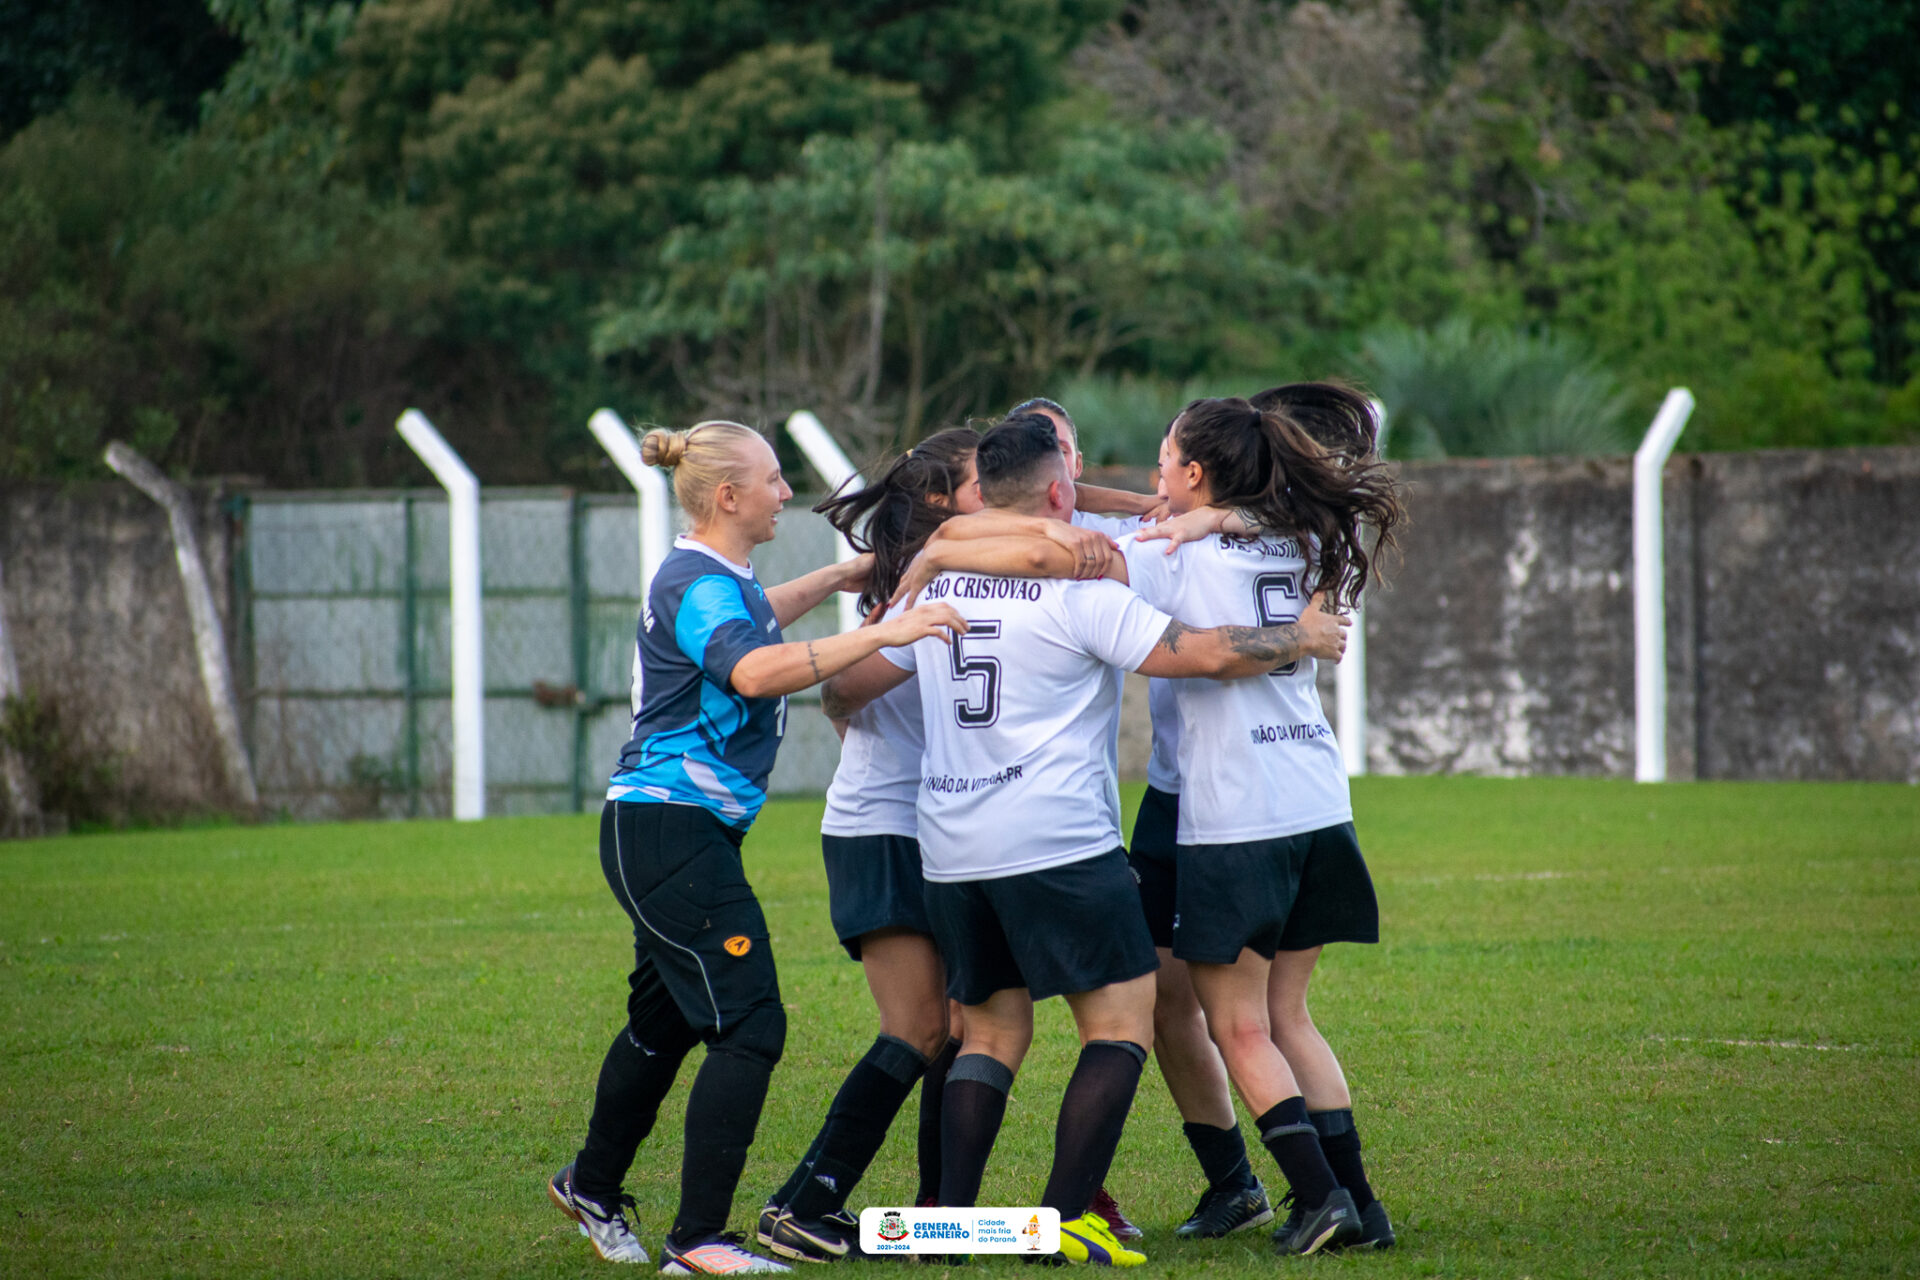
877,785
1115,527
1163,764
1257,759
1020,716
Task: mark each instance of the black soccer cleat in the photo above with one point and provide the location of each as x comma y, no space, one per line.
1332,1225
819,1240
1376,1229
1225,1210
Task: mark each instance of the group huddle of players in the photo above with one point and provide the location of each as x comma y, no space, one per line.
972,833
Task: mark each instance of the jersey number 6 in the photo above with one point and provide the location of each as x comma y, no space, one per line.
1276,602
969,712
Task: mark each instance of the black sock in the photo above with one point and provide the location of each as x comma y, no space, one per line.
932,1085
857,1124
1340,1142
974,1104
784,1196
1295,1146
723,1109
1222,1154
1092,1114
626,1101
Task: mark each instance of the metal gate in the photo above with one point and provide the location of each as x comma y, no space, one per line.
344,648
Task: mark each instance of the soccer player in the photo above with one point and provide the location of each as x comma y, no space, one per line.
875,891
1340,420
711,711
1029,893
1270,812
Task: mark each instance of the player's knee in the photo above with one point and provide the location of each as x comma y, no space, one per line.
760,1035
924,1029
1238,1035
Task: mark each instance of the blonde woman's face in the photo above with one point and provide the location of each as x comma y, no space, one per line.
758,490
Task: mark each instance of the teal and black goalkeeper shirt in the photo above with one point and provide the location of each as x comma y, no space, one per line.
695,741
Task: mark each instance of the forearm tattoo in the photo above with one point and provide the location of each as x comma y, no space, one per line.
1274,646
813,662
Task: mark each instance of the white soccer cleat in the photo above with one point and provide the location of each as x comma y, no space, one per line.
606,1226
722,1255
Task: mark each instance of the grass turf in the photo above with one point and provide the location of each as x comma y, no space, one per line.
1613,1030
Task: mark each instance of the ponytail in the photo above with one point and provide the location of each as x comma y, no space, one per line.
893,517
1266,464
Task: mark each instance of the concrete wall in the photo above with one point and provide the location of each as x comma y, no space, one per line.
100,625
1793,619
1503,646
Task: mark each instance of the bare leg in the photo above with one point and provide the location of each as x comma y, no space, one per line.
1314,1066
1234,997
1195,1074
908,983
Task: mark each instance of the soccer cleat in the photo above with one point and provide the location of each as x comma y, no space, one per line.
1294,1218
1225,1210
1103,1204
1376,1229
605,1226
824,1240
718,1255
1088,1239
1332,1225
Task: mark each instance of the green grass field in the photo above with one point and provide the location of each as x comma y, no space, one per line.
1613,1030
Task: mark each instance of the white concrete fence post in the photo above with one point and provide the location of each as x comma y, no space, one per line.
1350,677
1649,588
209,640
827,458
656,522
469,674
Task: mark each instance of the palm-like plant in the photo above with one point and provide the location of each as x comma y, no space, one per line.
1458,391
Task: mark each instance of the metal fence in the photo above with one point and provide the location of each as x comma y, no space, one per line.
344,653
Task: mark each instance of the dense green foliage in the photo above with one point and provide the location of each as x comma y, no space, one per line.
1610,1030
244,234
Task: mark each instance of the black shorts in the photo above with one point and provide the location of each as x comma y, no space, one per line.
873,882
697,928
1055,932
1289,894
1154,830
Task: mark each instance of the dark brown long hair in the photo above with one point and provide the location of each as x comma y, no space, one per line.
1267,464
1338,416
894,516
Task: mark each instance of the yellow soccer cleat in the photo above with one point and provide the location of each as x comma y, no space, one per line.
1089,1239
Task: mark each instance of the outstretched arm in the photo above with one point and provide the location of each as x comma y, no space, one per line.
1112,502
800,596
1191,526
776,669
1228,653
1010,557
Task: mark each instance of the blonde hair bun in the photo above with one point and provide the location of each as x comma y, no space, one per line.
661,448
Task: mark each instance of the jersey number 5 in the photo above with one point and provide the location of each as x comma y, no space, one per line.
980,706
1276,602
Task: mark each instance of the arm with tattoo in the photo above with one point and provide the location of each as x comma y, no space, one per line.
1228,653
